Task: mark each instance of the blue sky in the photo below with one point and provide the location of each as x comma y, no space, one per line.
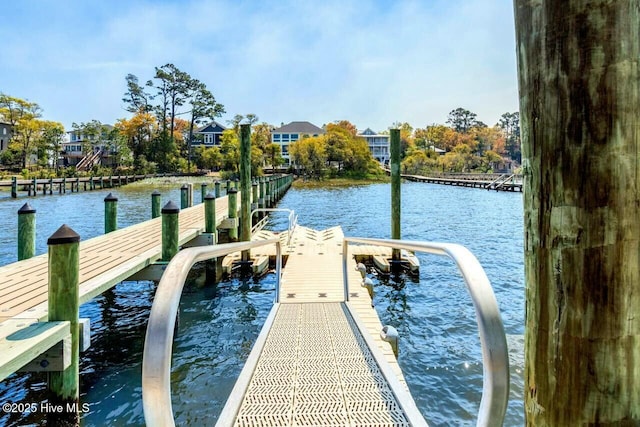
370,62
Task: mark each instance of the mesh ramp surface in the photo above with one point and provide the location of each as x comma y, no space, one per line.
316,370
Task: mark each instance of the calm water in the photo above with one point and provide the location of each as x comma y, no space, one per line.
439,347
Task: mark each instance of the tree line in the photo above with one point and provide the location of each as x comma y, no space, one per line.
167,110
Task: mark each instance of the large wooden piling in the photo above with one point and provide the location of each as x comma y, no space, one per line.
395,190
26,232
245,186
14,187
217,189
170,230
580,107
63,304
110,213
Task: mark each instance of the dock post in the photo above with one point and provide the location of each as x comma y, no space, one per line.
233,214
254,200
26,232
170,230
261,199
184,196
110,213
267,196
395,190
14,187
210,215
64,185
210,227
91,183
155,204
228,186
203,191
217,189
190,194
63,305
34,184
50,186
245,187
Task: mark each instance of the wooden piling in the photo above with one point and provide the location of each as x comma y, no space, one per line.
184,196
395,190
14,187
203,191
579,85
155,204
26,232
210,215
217,189
228,186
63,305
110,213
261,204
170,230
233,214
34,184
245,187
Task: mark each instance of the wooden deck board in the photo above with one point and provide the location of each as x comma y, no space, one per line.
104,261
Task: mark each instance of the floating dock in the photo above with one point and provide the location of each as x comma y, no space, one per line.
320,359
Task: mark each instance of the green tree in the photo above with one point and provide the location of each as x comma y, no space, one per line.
462,120
26,128
51,139
510,125
203,107
208,157
310,155
274,157
137,100
230,150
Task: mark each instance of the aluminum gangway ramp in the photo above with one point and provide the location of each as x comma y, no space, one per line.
315,367
321,358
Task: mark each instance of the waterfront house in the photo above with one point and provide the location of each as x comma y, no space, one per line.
378,145
5,135
290,133
84,151
211,135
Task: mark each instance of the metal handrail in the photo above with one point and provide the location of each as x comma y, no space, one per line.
293,219
156,362
495,355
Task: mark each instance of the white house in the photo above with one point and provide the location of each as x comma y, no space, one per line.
378,145
288,134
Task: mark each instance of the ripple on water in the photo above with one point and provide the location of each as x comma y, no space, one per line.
439,345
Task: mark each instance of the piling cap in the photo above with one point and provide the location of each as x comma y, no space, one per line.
170,208
210,196
185,187
110,198
26,209
156,193
233,190
63,235
204,184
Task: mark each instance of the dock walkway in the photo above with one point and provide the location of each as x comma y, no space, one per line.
323,361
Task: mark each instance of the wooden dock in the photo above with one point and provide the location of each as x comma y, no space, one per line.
497,182
60,185
104,262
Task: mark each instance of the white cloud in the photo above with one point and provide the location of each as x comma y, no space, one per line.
370,62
